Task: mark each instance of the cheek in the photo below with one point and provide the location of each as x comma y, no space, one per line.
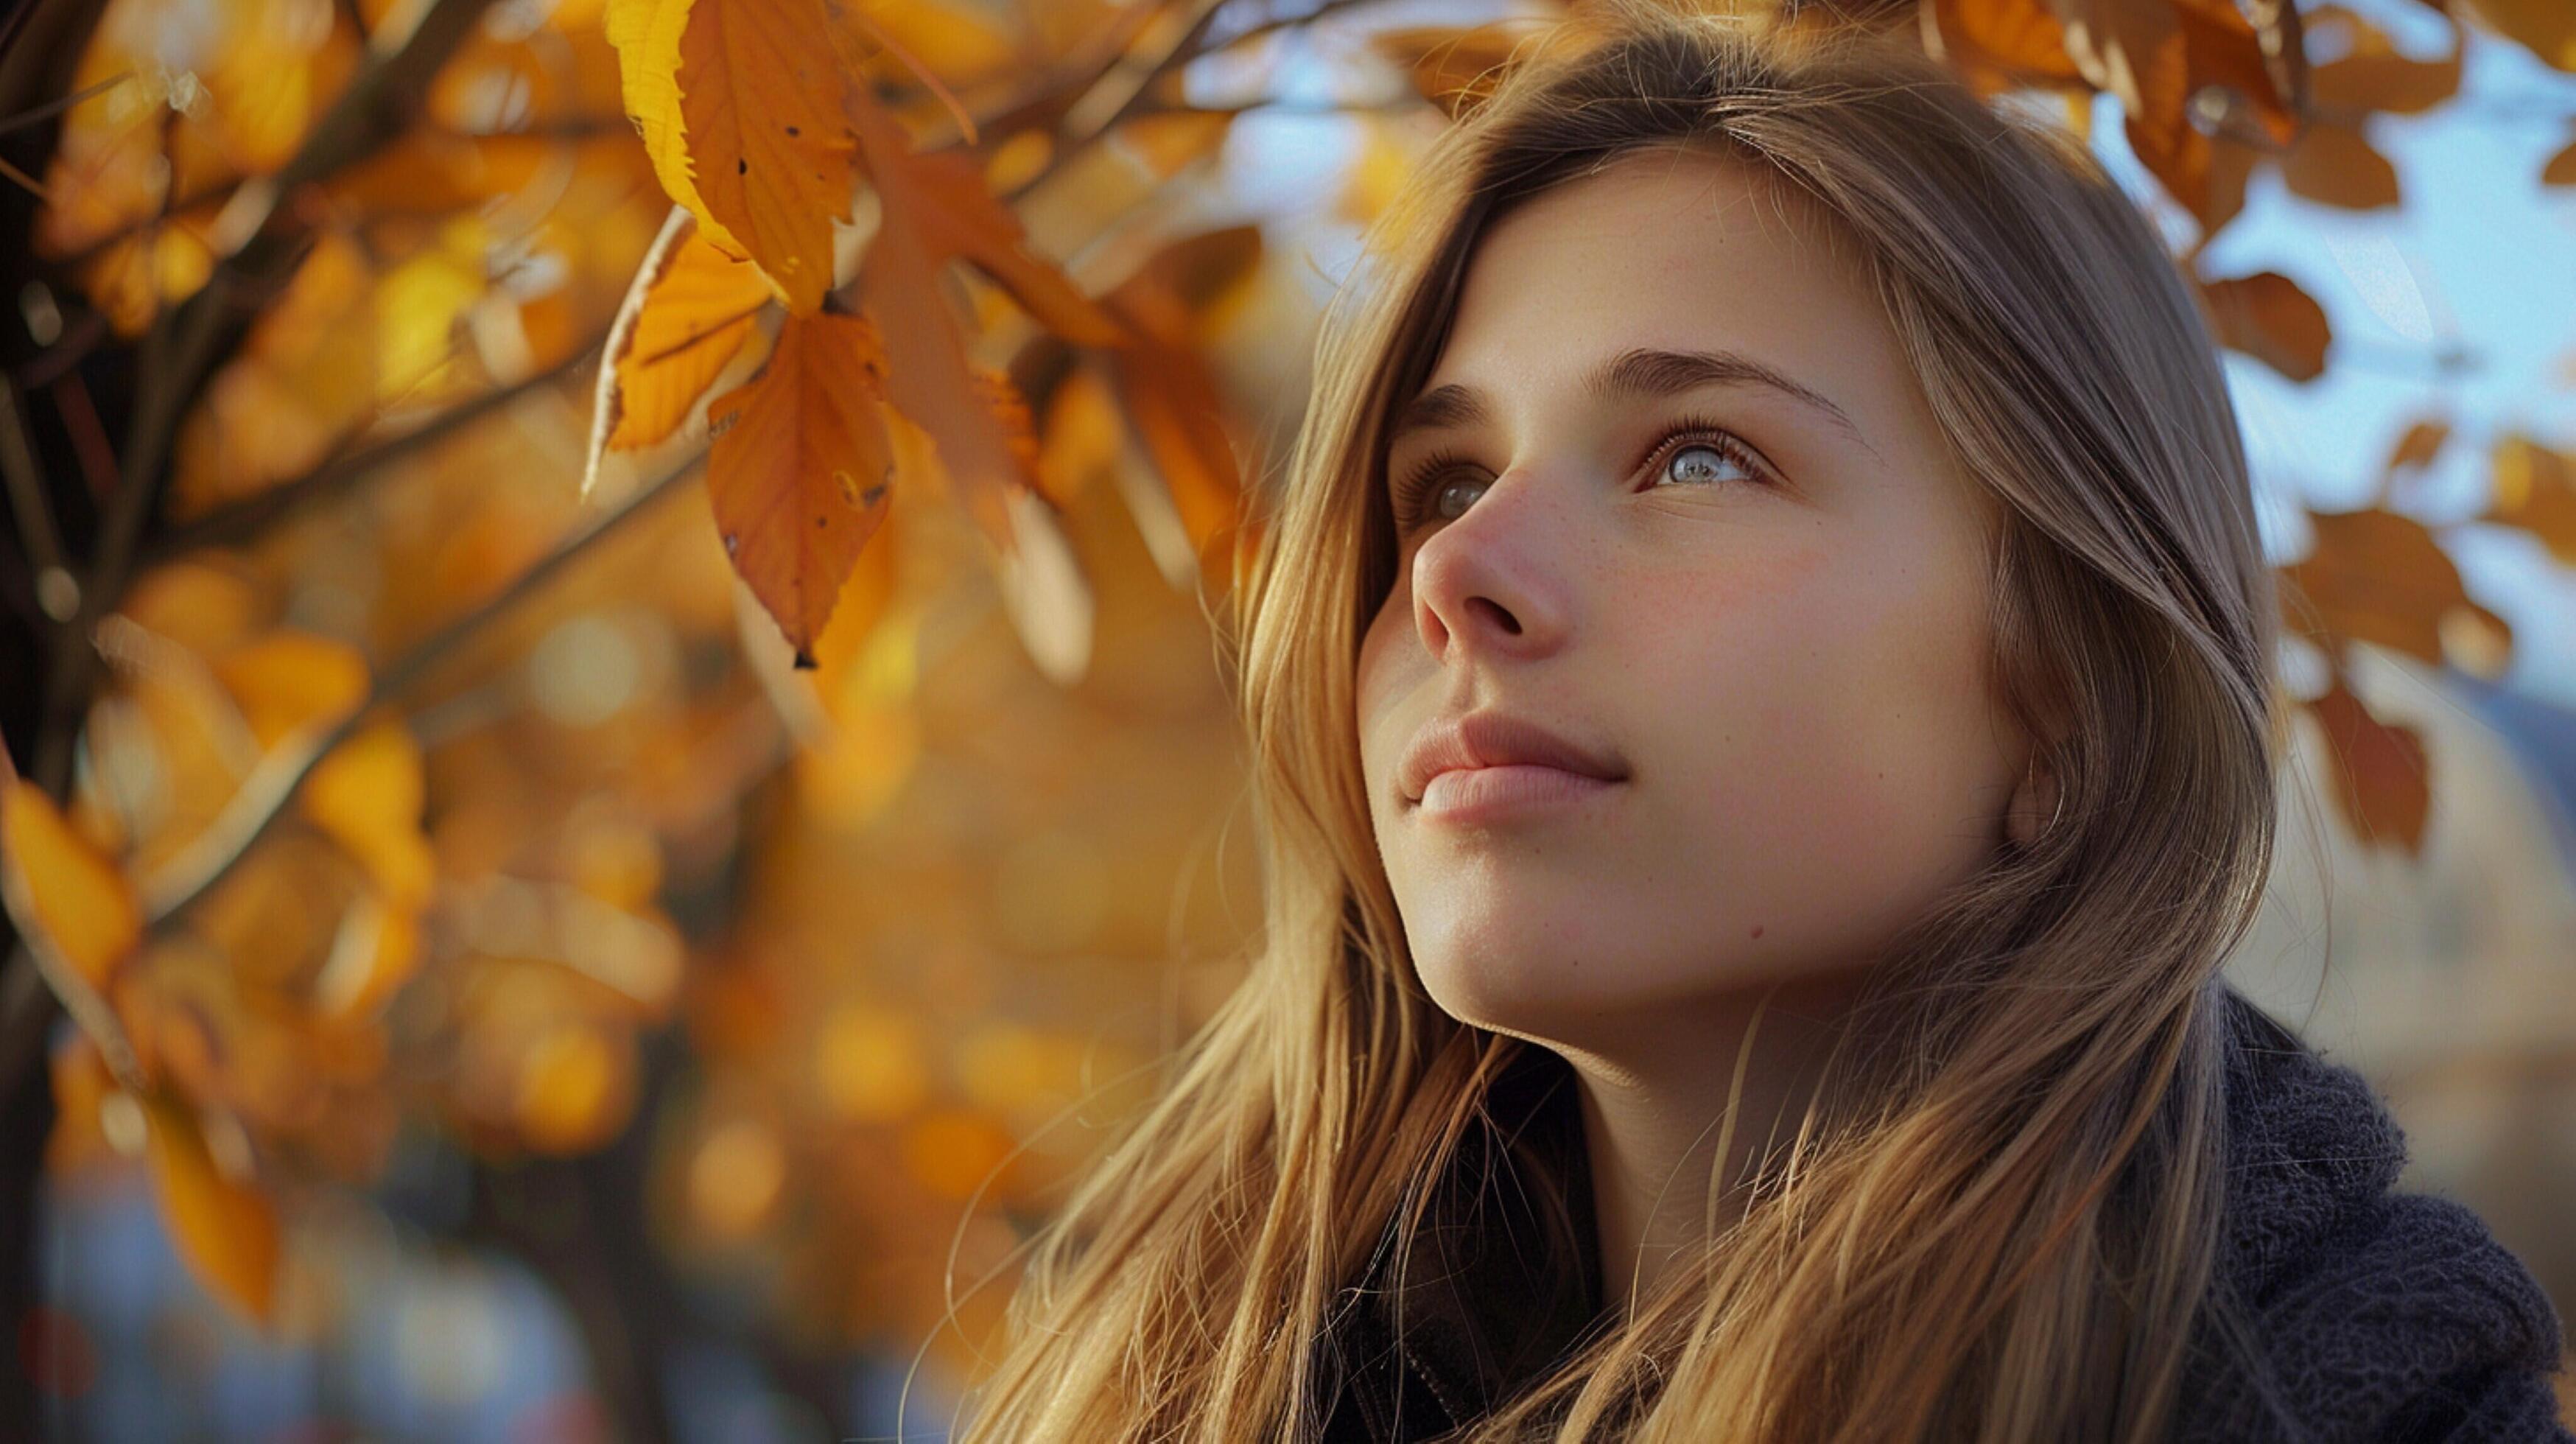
1826,727
1386,671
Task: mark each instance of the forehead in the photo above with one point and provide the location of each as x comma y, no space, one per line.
1674,250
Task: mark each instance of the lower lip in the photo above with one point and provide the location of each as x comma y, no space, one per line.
1479,794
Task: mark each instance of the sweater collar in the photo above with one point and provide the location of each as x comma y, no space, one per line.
1480,1308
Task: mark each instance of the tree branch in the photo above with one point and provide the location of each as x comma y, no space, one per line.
178,884
239,520
370,112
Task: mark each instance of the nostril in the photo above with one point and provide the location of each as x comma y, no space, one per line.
1502,618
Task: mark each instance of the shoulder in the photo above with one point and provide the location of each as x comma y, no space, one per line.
2371,1314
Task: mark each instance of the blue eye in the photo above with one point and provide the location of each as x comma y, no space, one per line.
1421,496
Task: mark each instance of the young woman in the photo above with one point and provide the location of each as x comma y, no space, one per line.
1761,687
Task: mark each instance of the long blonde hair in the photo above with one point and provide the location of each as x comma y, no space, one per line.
2018,1241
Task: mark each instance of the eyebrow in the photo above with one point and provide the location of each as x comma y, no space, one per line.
1635,374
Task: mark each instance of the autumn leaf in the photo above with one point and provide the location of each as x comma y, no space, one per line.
2547,28
2560,169
367,795
2378,769
2416,449
2378,577
695,310
939,201
2266,315
290,679
2335,165
226,1230
647,36
2161,60
2001,43
2372,74
2535,489
1163,381
765,142
935,209
60,892
802,469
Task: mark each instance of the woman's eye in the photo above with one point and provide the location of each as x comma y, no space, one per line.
1701,462
1448,492
1695,452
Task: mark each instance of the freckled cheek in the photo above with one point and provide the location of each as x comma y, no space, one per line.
1787,707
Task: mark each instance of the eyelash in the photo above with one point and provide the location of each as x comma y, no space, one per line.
1415,490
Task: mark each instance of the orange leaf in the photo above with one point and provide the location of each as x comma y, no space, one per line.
2373,74
2535,489
59,890
2546,27
225,1229
766,145
801,469
698,309
2267,316
940,199
2334,166
1168,394
2378,577
2560,169
2379,770
2420,445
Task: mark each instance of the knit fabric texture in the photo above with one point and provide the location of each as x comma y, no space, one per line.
2374,1315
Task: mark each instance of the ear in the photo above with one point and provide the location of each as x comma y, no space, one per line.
2034,802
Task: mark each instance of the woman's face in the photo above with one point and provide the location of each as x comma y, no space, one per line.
1764,614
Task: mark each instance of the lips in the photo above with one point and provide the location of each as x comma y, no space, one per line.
1496,739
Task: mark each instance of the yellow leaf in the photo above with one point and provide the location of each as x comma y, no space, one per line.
697,313
421,306
59,889
646,34
759,85
2535,489
367,795
225,1229
288,679
802,470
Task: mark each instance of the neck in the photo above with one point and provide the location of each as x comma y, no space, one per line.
1670,1169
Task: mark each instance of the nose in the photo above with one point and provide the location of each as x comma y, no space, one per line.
1494,579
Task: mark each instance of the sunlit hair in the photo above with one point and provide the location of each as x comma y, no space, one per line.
2017,1238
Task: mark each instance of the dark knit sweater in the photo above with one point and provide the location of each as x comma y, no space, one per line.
2380,1315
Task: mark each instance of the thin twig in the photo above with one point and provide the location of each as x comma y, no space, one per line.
174,887
52,108
34,510
238,520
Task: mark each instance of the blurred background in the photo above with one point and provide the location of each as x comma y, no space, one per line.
618,766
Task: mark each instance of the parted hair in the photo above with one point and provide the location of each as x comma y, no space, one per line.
2017,1238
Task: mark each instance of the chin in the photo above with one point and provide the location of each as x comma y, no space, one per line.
1514,971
